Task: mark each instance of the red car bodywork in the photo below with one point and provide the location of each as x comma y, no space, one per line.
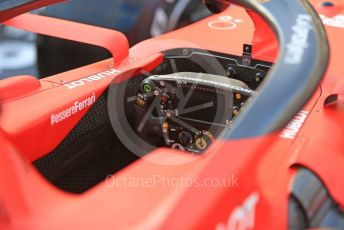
264,166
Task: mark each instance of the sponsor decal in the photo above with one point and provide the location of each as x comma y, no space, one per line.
225,22
293,128
336,21
72,110
92,78
242,217
299,39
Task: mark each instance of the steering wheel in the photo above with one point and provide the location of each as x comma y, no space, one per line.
303,59
188,109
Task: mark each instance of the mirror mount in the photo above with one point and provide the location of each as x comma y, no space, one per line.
25,8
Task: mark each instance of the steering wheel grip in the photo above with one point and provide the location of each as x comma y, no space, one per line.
303,60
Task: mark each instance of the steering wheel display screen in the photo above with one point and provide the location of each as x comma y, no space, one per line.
203,103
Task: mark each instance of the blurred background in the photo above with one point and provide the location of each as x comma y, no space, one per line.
26,53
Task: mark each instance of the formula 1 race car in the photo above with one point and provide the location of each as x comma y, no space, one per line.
233,122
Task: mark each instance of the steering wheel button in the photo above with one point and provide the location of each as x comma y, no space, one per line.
147,88
164,99
201,143
140,102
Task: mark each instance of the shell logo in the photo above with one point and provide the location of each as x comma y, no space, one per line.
225,22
